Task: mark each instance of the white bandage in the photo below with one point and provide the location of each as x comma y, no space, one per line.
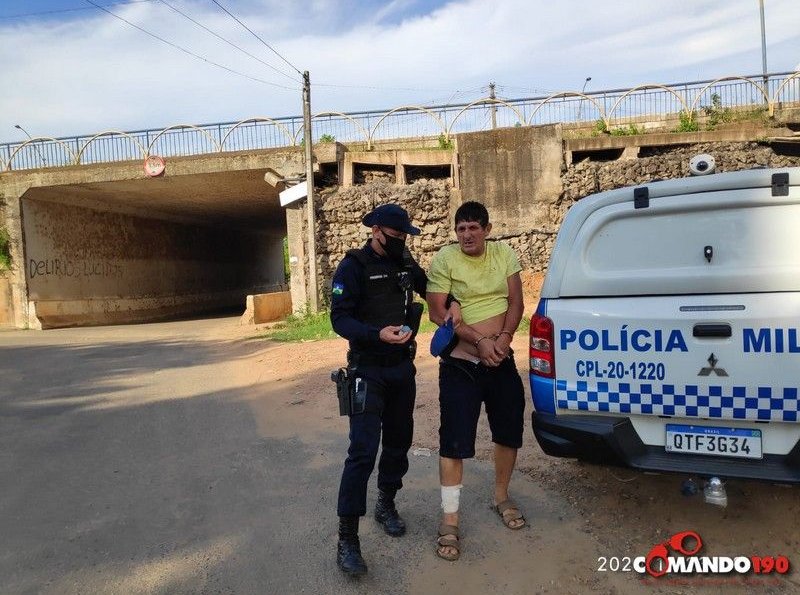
450,498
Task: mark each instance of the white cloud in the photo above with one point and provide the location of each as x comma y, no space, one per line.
93,72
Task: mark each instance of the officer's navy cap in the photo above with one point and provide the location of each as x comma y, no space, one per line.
393,216
444,339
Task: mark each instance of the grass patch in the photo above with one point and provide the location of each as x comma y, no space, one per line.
303,327
317,327
629,130
426,326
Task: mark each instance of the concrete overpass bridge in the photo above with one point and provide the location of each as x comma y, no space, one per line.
105,243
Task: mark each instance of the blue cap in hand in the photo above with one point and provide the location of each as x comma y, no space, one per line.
444,339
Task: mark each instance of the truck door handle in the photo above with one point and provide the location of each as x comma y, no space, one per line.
711,330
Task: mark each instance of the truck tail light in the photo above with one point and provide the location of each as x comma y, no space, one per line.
542,355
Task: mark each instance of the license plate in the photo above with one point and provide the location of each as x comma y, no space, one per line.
719,442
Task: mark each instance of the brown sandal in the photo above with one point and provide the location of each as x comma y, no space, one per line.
509,512
448,537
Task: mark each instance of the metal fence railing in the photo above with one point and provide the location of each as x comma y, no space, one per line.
611,108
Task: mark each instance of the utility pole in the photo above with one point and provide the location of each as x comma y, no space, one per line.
494,105
763,47
313,293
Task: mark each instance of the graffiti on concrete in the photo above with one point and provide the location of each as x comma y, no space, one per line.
57,267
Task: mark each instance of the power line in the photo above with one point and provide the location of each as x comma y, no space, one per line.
374,88
527,89
256,36
45,12
447,99
230,43
184,50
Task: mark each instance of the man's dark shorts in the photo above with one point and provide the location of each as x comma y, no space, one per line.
463,386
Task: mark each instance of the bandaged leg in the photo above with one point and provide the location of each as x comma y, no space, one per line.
451,496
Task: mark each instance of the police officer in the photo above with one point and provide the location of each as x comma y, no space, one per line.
372,307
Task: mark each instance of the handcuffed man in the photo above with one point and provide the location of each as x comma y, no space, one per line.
479,368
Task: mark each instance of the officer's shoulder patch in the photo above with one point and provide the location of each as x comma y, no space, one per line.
337,289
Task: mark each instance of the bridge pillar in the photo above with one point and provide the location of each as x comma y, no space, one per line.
16,292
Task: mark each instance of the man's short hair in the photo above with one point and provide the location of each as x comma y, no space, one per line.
472,211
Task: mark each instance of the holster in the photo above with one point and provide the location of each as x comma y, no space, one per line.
351,392
343,380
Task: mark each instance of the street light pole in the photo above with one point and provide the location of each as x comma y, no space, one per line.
494,107
763,47
580,103
38,152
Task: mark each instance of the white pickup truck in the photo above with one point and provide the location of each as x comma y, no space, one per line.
667,336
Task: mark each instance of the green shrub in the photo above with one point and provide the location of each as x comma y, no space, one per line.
687,123
444,142
716,114
5,250
327,138
600,127
629,130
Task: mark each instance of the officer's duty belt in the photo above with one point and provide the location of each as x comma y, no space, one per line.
359,358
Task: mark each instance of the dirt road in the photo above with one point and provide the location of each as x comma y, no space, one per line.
193,457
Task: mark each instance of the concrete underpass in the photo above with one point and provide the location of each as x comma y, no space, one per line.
105,244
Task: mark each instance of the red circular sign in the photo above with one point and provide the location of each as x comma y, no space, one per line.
154,166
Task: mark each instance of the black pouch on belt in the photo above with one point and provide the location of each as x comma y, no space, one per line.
358,396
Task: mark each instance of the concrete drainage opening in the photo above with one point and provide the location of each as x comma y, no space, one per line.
366,173
427,172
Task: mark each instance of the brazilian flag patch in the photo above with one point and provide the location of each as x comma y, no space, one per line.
337,289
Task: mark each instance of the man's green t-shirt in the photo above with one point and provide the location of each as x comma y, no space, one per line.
480,283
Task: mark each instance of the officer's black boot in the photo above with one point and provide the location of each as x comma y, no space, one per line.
386,514
348,550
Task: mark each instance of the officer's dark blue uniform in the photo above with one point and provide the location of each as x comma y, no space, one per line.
371,291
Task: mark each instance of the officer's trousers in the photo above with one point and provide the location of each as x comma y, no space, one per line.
391,392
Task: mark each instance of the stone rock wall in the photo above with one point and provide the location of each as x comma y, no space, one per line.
340,211
662,163
428,202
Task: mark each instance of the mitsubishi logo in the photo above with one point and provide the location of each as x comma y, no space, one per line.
712,362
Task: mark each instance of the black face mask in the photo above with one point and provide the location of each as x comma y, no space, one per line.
393,247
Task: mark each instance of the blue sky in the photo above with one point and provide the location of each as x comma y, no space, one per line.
83,71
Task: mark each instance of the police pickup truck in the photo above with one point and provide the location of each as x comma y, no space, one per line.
667,337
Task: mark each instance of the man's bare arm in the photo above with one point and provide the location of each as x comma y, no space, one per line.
436,310
516,307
